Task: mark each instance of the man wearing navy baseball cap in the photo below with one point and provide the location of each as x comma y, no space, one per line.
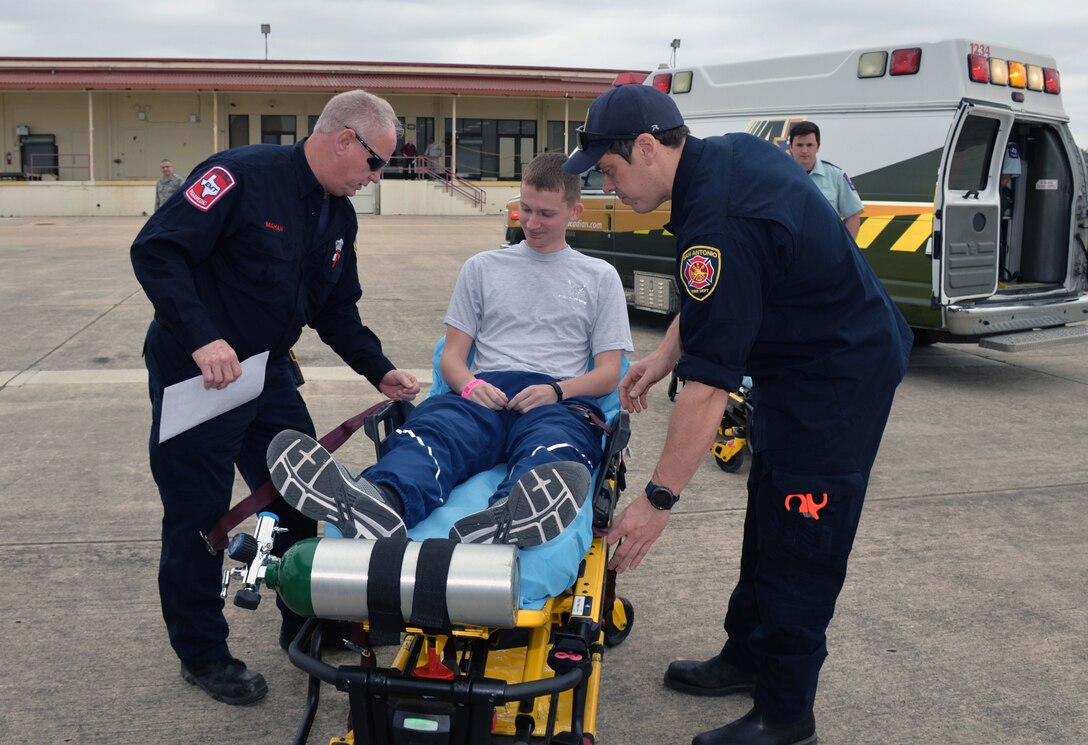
622,114
773,286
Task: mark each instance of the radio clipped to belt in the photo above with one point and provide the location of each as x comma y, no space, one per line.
296,369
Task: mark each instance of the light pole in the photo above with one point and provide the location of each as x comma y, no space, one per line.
675,45
266,29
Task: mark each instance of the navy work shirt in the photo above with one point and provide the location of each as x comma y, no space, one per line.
245,254
771,285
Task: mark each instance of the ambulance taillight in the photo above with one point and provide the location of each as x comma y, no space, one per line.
1018,75
663,82
906,61
1035,78
979,67
872,64
1052,82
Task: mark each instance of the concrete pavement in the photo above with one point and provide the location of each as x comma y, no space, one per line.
963,619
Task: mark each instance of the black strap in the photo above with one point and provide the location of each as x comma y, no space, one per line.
383,590
429,611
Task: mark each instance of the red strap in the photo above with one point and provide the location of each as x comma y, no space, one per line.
593,418
266,494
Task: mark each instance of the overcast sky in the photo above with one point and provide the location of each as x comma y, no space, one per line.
633,34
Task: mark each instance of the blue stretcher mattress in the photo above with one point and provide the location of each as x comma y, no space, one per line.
546,570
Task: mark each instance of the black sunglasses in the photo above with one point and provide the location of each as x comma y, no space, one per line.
585,139
376,162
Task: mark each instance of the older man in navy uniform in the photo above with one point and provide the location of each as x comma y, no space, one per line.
773,286
260,243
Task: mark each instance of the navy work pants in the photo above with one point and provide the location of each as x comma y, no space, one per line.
799,528
194,472
447,439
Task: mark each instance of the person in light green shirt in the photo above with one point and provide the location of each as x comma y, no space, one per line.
831,180
167,185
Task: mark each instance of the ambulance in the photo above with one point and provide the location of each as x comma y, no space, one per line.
924,132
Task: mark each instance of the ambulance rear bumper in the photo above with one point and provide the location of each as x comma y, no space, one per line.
995,317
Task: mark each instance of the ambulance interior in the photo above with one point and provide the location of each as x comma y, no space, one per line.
1036,210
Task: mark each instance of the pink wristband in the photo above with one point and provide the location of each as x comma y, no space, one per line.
469,386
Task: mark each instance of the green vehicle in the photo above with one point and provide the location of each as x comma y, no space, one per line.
923,131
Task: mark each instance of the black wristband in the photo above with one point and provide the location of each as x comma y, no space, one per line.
558,391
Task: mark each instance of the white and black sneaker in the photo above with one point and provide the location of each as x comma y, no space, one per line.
539,507
318,487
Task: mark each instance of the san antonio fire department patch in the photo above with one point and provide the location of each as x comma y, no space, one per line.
203,193
699,268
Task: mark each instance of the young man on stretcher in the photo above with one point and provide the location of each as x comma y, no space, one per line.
538,312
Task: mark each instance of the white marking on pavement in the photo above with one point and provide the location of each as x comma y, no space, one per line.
18,379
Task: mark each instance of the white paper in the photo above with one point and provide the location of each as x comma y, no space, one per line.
189,403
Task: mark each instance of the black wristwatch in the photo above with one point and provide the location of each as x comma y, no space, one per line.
661,497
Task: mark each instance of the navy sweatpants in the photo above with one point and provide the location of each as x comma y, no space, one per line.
194,472
447,439
799,529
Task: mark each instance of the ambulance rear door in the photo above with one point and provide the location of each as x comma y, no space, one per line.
967,214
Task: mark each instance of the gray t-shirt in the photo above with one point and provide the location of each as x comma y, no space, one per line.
539,312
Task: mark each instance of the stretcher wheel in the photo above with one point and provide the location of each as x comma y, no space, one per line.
733,464
617,625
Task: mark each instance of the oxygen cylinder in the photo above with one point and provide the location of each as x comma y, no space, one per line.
328,578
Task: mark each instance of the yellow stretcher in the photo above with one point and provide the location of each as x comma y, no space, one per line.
538,677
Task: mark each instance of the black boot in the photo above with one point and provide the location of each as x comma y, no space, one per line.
753,729
713,677
227,680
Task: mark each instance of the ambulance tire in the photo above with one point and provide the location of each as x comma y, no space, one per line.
923,338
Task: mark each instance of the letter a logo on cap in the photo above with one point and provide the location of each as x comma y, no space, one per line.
206,190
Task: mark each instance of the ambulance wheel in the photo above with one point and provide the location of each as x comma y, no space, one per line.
733,464
923,338
618,623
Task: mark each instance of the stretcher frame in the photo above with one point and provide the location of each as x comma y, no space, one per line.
539,678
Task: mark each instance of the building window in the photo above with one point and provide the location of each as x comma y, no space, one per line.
424,132
278,129
555,136
311,122
493,149
239,130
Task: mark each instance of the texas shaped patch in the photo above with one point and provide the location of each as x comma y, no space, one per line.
209,188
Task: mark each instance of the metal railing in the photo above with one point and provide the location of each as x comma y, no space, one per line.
426,168
60,165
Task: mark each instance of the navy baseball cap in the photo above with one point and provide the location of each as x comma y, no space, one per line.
621,113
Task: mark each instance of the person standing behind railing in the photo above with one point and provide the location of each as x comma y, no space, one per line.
410,155
435,154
